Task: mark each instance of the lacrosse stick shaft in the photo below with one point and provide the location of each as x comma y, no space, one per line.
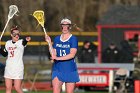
44,30
4,28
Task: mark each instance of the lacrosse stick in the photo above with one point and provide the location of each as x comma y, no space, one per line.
39,15
13,9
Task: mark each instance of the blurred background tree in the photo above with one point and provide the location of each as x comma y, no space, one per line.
84,13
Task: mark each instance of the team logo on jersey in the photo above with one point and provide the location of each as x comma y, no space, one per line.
12,48
63,46
11,51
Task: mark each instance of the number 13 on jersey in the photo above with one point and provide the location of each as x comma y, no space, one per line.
62,52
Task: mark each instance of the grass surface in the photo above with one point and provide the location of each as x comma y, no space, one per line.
3,91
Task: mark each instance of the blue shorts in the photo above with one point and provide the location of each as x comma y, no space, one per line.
66,77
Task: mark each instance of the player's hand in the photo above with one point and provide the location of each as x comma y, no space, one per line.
47,38
54,57
28,38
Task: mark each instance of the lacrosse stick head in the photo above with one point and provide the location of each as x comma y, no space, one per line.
13,9
39,15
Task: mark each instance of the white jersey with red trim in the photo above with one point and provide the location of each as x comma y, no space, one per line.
14,64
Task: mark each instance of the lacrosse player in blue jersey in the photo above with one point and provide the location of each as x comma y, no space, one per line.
64,68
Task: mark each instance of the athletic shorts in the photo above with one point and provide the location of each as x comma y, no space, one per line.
13,73
66,77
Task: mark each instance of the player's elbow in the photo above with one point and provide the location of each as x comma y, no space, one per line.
5,54
72,55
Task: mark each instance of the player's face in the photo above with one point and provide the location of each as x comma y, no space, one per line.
65,27
15,35
87,45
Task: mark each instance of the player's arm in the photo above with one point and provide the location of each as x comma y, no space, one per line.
51,49
3,52
25,41
71,55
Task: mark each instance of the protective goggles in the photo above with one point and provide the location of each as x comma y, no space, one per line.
14,34
65,24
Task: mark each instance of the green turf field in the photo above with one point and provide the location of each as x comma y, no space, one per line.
3,91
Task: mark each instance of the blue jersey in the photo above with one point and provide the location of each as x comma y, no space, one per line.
65,70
